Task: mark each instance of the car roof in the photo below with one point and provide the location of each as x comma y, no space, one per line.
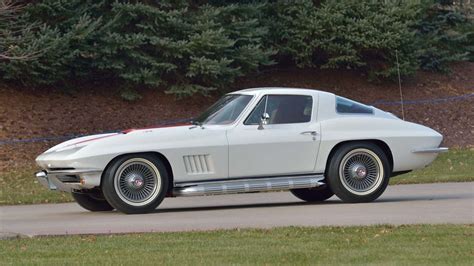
279,90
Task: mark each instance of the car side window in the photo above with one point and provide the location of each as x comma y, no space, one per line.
346,106
282,109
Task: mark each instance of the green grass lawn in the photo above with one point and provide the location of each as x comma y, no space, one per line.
457,165
20,187
388,245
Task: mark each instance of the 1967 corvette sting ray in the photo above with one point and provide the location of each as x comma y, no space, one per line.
312,143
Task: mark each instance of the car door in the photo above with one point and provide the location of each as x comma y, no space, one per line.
200,152
288,144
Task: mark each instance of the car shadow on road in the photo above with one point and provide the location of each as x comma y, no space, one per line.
332,201
242,206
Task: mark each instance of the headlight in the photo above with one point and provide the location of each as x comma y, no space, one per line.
69,148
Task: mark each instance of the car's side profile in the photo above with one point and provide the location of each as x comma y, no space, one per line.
313,143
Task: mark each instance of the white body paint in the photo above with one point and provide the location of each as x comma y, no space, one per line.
238,150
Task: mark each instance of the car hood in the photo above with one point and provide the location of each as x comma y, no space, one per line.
78,142
122,137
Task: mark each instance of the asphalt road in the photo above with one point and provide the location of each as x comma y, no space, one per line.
402,204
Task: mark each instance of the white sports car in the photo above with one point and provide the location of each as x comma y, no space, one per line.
313,143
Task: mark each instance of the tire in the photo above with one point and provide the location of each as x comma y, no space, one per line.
358,172
313,194
94,202
135,183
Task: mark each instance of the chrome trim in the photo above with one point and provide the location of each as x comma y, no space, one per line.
53,180
361,171
312,132
43,179
247,185
431,150
74,171
137,193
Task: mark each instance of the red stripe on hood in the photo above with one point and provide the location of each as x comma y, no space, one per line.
130,130
158,126
96,138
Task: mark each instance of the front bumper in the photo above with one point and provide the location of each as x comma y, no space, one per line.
69,179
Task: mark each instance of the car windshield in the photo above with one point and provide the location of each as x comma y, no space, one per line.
224,111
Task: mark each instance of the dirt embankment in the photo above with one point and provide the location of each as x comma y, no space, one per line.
29,113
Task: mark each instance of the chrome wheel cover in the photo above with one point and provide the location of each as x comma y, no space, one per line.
361,171
137,182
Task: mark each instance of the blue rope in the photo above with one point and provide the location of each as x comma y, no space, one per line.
46,139
168,122
71,136
439,100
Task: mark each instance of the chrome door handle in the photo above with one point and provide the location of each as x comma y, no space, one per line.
313,133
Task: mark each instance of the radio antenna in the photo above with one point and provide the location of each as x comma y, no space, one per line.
400,85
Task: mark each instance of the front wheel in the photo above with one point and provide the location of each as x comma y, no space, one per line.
135,183
358,172
92,201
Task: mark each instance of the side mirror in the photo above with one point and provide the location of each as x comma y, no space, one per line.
263,121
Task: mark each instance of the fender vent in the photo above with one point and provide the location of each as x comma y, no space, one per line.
198,164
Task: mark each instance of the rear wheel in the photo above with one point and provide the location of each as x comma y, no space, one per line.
313,194
135,183
92,201
358,172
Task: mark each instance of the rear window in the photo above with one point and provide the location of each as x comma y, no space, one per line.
346,106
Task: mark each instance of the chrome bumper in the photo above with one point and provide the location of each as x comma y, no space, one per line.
68,180
431,150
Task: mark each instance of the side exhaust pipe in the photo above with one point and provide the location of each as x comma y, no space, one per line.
247,185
